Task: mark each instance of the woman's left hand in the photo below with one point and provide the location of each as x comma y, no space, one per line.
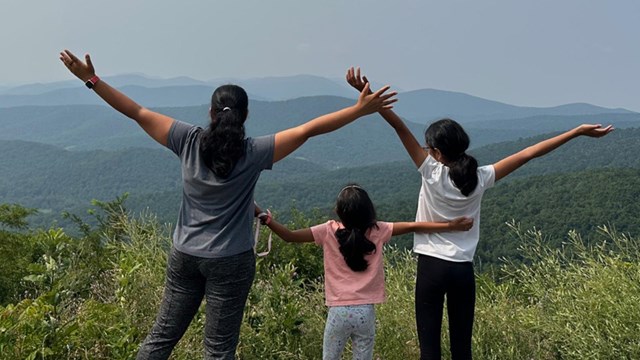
82,70
369,103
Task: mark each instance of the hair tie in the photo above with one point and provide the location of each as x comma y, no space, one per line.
226,108
352,186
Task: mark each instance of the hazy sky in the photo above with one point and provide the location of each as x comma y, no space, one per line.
536,52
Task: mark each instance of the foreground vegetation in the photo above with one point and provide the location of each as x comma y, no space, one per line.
94,296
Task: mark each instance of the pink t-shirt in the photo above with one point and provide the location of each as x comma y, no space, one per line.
342,285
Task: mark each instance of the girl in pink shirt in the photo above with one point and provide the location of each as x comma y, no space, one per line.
354,274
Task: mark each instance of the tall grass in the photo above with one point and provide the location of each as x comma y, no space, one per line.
578,302
96,296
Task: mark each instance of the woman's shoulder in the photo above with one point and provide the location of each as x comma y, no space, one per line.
259,143
181,134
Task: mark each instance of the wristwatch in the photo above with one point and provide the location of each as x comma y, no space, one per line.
92,82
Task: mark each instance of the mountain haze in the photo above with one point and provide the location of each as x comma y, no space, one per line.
429,104
419,105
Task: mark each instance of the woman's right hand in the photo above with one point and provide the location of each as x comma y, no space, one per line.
82,70
369,103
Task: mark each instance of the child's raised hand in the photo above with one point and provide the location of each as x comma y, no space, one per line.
354,79
594,130
369,103
461,224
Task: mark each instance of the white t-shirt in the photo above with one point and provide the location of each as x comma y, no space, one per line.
441,200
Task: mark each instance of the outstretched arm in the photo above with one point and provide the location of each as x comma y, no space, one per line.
297,236
289,140
457,224
155,124
415,151
509,164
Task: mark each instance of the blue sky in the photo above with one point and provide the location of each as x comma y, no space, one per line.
535,53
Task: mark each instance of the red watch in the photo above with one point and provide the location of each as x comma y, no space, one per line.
92,82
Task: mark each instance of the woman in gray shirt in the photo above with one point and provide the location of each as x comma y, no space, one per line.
212,253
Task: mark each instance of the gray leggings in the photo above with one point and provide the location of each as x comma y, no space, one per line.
224,282
357,322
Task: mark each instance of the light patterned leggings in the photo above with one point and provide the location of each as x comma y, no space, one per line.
357,322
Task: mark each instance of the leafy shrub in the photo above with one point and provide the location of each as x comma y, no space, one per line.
96,296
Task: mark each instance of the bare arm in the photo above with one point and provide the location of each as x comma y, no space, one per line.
457,224
296,236
415,151
511,163
289,140
155,124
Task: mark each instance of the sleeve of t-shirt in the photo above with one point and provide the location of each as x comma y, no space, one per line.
427,165
178,136
385,230
320,232
487,176
262,148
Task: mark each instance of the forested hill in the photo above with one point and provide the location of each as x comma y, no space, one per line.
368,141
556,204
55,180
48,177
616,150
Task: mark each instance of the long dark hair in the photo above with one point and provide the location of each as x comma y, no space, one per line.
223,142
357,214
450,138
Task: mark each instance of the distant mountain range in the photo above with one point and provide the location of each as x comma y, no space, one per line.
418,105
180,91
429,104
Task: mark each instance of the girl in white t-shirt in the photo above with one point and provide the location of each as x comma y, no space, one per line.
354,275
452,186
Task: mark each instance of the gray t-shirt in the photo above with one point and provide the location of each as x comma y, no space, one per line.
216,214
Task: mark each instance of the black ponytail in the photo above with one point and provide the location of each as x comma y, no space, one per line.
452,141
463,173
357,214
223,142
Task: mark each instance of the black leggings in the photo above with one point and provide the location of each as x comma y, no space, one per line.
437,277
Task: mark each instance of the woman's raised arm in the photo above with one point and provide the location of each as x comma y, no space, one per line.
155,124
289,140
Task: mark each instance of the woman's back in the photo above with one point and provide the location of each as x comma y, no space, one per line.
216,212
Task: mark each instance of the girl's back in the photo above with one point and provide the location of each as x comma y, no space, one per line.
343,286
442,200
